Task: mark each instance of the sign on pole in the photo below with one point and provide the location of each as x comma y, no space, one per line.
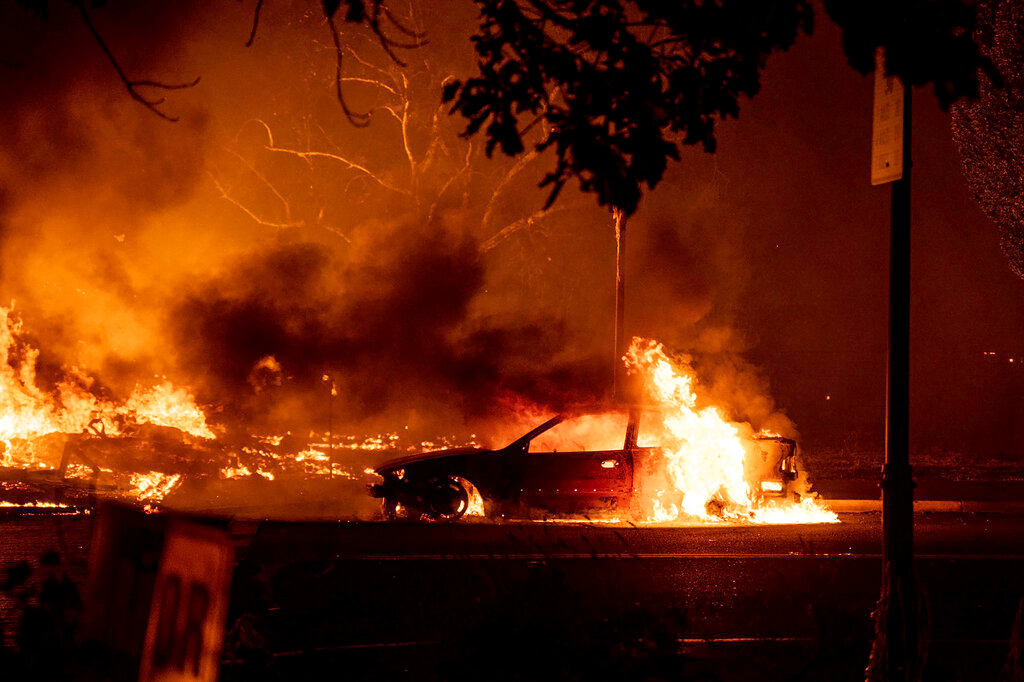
887,126
126,550
190,602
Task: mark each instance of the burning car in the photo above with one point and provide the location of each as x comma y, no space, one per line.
589,465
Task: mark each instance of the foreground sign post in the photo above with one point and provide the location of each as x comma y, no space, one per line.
123,564
157,598
890,162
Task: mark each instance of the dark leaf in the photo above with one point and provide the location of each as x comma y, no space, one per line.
631,72
40,7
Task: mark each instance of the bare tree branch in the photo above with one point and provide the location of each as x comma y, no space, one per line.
224,195
418,35
307,156
520,164
386,43
133,85
369,81
516,226
449,183
369,65
255,23
263,179
358,120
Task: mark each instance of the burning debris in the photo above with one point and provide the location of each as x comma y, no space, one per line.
142,449
689,463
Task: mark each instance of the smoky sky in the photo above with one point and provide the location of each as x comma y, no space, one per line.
390,330
427,289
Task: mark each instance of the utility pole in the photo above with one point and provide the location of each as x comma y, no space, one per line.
618,368
897,640
330,419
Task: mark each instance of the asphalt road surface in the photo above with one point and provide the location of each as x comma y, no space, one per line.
406,601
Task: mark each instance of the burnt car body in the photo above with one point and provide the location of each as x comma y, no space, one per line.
517,482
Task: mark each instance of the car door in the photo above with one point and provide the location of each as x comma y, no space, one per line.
588,476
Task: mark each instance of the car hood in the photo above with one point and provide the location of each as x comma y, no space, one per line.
401,462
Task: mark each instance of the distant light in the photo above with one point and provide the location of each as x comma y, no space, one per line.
1011,359
828,397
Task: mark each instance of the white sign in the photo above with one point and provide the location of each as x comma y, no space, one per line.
887,126
190,602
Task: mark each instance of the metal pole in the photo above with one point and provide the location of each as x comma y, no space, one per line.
899,593
618,369
330,420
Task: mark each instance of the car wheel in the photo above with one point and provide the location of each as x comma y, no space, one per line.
450,499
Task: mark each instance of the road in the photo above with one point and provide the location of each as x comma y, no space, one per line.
387,601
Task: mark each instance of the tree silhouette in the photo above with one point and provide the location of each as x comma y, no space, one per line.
617,86
635,79
989,131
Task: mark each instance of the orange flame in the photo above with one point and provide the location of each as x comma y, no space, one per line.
702,473
166,405
27,412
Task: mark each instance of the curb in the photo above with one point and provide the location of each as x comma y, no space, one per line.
949,506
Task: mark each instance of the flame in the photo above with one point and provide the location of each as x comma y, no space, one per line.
154,486
702,470
701,474
27,413
592,432
475,506
166,405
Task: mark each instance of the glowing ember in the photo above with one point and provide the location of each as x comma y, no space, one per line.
702,473
33,505
154,486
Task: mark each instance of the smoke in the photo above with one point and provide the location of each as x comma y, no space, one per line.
386,320
422,279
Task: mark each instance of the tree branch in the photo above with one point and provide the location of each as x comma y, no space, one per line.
513,227
224,195
307,156
263,179
449,183
520,164
255,23
133,85
358,120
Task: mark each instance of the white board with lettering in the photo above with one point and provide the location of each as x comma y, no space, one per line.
185,633
887,126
